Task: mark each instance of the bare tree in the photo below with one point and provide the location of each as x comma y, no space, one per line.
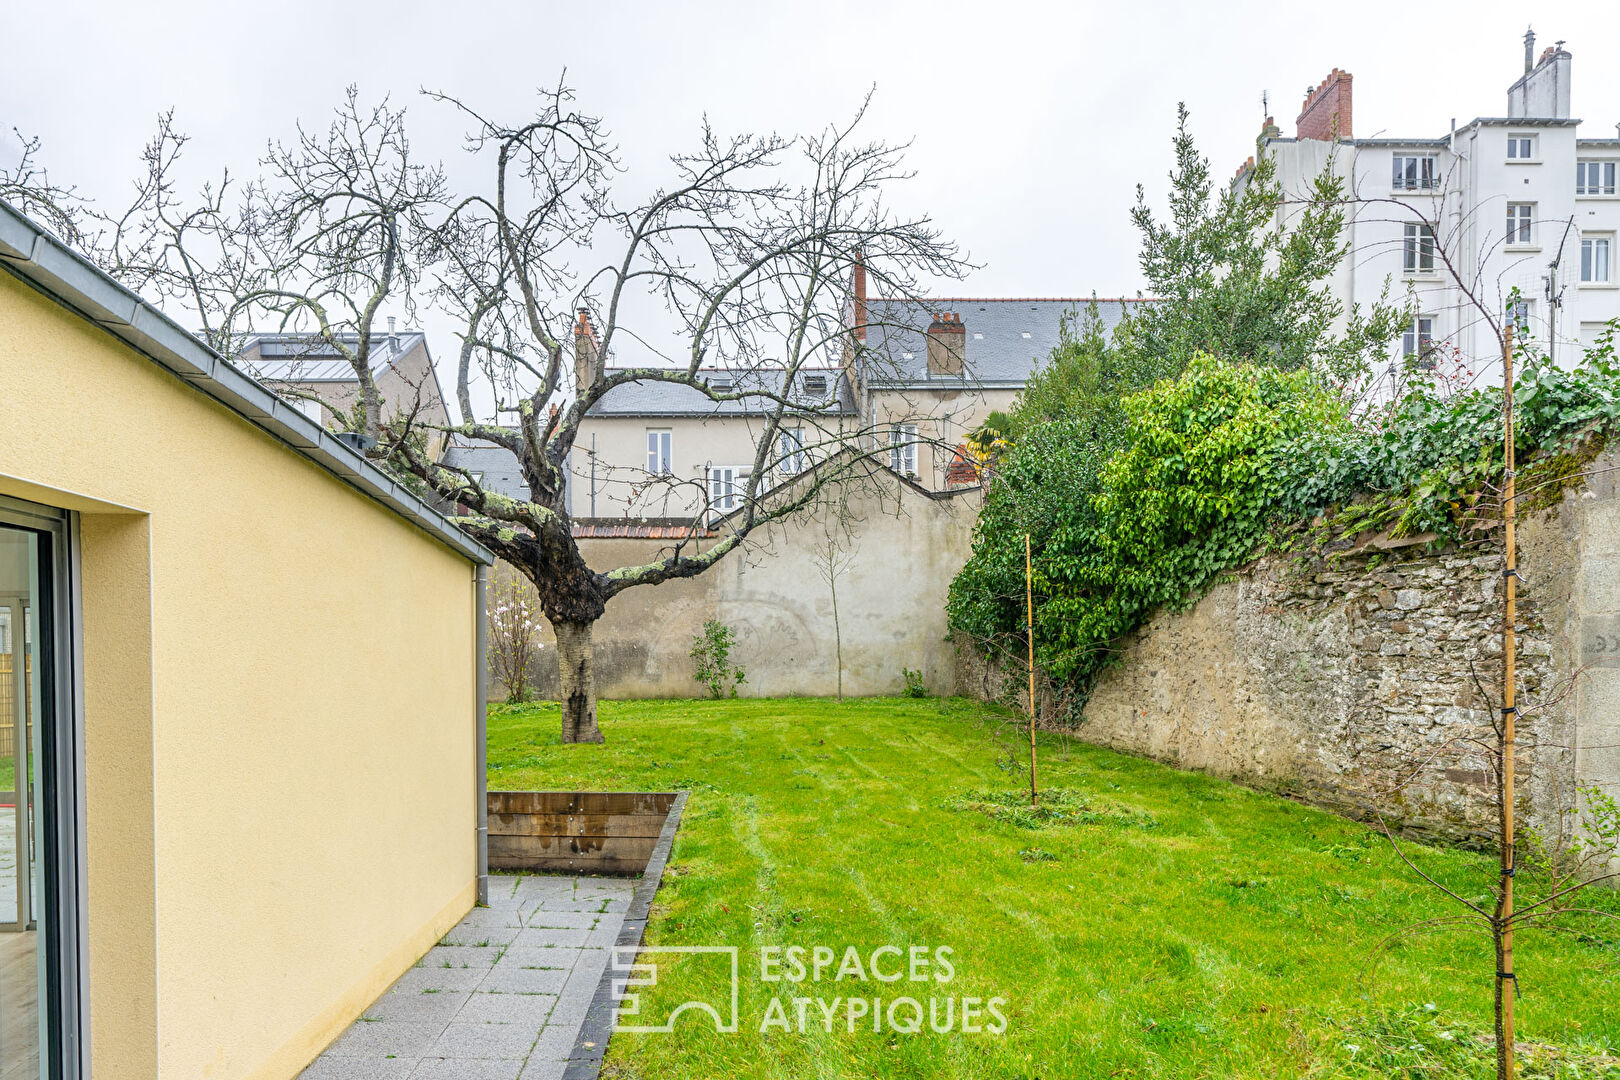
742,262
748,253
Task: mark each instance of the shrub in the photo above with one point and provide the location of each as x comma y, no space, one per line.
915,687
514,635
711,658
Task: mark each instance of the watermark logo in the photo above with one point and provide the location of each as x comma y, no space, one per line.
904,991
642,970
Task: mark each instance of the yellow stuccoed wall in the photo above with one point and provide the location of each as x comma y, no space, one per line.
279,693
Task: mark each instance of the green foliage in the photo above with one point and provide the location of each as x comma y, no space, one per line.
711,659
915,687
1190,495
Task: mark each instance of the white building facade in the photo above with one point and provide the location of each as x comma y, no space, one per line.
1454,224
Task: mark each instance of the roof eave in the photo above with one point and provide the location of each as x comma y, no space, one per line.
46,264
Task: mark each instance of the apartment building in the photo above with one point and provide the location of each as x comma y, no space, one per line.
1526,199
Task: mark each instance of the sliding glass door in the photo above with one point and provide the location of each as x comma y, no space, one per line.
40,938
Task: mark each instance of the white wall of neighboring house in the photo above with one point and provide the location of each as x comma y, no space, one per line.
1479,171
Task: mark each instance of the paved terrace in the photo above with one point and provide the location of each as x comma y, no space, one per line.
502,997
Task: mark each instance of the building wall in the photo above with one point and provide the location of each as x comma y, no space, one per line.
279,688
903,547
1478,182
944,416
619,476
1335,681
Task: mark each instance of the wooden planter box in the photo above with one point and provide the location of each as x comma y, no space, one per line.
581,832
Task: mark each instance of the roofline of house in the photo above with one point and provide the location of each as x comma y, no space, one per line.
43,262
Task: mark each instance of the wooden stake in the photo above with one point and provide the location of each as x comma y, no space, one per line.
1510,715
1029,617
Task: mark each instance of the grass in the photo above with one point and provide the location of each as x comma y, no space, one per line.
1145,923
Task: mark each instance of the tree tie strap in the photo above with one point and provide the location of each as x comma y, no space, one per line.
1509,976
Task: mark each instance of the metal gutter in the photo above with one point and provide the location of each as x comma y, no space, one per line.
481,731
51,267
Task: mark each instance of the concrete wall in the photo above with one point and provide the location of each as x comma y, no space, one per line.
904,547
279,687
1340,681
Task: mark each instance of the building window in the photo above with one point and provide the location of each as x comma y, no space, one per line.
660,458
1521,147
790,447
1521,312
727,486
815,384
1518,222
1594,177
903,449
1414,172
721,384
1595,260
1419,249
1417,343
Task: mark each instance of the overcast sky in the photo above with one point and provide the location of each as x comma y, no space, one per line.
1032,123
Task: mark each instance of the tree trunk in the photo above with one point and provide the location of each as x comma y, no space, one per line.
576,682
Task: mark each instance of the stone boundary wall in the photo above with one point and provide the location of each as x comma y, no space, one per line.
1357,683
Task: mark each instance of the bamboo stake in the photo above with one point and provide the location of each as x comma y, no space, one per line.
1510,714
1029,618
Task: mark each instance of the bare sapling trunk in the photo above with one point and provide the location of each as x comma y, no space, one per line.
576,682
1502,925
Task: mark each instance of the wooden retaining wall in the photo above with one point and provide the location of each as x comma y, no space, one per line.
592,832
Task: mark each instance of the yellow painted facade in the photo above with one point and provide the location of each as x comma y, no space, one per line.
279,694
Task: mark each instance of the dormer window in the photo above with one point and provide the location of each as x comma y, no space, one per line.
815,384
721,384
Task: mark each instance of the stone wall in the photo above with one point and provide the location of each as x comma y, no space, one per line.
1365,680
903,546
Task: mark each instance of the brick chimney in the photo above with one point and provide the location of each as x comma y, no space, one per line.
858,287
1326,112
587,352
947,344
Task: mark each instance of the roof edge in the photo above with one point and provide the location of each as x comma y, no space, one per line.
49,266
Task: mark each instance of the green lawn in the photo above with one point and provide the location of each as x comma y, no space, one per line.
1166,924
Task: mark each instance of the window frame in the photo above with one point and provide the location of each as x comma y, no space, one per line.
1417,244
1417,341
654,437
790,455
722,502
903,439
1399,181
1522,141
1605,170
1590,241
1521,231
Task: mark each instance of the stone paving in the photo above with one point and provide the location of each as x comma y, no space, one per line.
502,997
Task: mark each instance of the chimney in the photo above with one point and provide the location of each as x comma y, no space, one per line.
393,339
587,352
947,344
1529,49
858,287
1326,112
1542,92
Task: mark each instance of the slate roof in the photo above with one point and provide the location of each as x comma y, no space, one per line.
496,464
675,399
1006,338
301,358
